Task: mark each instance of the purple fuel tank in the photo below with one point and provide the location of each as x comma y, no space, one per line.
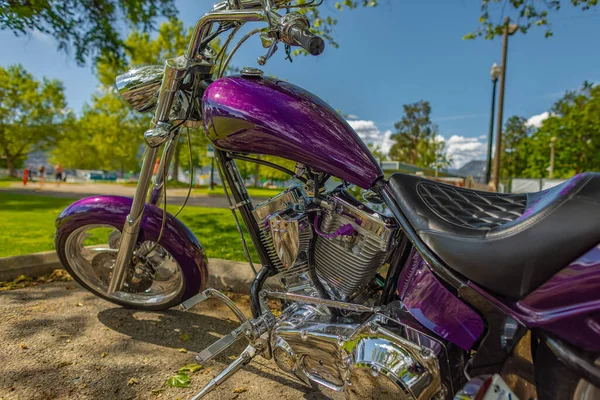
273,117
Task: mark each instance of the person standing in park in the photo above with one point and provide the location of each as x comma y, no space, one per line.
59,172
42,174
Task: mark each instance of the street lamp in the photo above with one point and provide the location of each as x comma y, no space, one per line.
495,72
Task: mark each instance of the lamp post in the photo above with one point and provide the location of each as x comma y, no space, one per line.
495,72
509,29
551,169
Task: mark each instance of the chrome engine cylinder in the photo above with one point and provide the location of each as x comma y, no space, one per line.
346,264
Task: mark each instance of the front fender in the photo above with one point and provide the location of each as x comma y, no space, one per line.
177,239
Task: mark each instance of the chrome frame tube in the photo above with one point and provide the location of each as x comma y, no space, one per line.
132,223
155,197
205,22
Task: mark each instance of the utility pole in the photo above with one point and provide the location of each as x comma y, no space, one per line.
509,29
551,169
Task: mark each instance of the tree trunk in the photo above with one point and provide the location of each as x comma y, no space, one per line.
122,172
10,163
256,173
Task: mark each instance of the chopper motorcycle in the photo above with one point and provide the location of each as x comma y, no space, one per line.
436,300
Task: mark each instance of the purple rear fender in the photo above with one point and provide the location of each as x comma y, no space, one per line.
567,305
177,239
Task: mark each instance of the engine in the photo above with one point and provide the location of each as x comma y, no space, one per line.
351,241
383,355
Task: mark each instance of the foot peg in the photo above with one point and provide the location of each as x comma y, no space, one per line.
222,344
244,358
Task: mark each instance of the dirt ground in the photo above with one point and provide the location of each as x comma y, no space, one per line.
58,341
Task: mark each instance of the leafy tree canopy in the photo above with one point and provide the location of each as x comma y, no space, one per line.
87,28
515,146
416,140
573,128
108,136
91,29
526,14
31,113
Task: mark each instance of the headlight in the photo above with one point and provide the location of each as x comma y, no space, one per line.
139,87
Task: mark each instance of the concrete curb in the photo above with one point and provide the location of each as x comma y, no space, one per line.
234,276
33,265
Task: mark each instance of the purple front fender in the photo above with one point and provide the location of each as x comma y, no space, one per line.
177,239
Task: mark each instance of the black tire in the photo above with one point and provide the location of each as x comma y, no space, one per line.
60,241
554,381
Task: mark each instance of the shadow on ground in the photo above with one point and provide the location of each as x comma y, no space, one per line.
60,342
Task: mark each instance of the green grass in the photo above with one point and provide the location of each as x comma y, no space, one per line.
217,191
5,181
27,226
253,192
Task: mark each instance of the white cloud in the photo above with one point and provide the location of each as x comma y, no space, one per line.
463,149
352,116
537,120
372,135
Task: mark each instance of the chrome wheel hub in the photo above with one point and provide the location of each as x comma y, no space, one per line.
154,277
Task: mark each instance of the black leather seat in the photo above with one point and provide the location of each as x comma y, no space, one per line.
507,243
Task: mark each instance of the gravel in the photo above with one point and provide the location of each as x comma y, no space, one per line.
60,342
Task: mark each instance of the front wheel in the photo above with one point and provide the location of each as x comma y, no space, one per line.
154,281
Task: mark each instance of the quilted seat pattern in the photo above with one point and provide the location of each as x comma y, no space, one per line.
469,208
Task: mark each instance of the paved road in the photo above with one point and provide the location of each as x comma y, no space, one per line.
174,196
60,342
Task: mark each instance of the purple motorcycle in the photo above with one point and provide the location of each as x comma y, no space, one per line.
456,294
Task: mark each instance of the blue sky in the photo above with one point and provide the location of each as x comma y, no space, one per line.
400,52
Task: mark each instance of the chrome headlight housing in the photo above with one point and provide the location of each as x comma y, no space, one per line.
140,86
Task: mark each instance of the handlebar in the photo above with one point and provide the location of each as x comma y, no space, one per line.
307,40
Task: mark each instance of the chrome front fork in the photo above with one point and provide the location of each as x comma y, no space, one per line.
133,222
163,169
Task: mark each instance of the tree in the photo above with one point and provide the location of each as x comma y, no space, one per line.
575,125
527,15
515,138
107,136
89,28
141,49
416,140
31,113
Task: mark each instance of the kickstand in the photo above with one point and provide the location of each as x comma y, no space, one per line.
244,358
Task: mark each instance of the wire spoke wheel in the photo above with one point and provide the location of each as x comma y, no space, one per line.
153,278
